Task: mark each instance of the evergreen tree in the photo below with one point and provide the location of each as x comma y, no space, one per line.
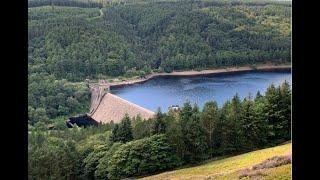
122,132
285,107
228,130
258,96
125,129
234,122
185,114
194,138
272,111
261,118
159,124
250,124
140,128
184,118
209,118
174,133
115,134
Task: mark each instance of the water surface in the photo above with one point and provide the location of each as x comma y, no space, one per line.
166,91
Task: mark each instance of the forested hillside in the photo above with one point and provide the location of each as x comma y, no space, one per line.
73,40
136,147
78,43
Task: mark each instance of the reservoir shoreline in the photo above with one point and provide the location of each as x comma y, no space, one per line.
220,71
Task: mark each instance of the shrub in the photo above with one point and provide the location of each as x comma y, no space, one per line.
92,160
55,158
142,157
101,171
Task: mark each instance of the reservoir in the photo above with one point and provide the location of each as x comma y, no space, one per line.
166,91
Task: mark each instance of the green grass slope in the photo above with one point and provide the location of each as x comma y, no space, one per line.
231,168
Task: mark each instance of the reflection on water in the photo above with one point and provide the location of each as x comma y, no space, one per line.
165,91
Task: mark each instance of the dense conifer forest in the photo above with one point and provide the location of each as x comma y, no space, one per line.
137,147
77,43
73,40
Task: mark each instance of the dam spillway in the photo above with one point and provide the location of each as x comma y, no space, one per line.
114,108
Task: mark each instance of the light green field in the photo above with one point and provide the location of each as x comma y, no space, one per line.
229,168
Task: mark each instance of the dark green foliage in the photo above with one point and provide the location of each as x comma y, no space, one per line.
189,136
72,3
278,109
174,133
49,98
193,134
258,96
115,136
195,138
285,105
209,119
123,131
272,100
232,137
102,168
69,40
261,120
141,128
65,154
92,160
53,158
141,157
159,124
250,124
167,35
67,45
185,115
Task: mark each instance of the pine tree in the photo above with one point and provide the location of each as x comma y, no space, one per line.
250,124
114,137
185,114
123,131
194,138
271,101
140,128
174,133
209,118
261,118
236,123
273,114
228,130
285,106
159,124
258,96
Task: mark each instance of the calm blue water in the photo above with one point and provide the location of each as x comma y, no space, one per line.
165,91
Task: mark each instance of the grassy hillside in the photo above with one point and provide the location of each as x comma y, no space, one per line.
232,167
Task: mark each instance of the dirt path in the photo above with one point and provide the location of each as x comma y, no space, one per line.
97,17
101,13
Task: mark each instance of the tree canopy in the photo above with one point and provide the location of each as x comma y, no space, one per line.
167,141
